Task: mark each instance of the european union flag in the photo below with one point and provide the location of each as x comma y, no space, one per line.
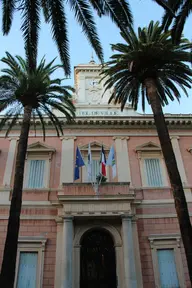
78,163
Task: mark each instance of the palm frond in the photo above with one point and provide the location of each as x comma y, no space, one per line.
84,16
120,13
149,54
30,29
19,87
180,21
59,31
8,9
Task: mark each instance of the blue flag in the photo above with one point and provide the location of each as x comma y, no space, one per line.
78,163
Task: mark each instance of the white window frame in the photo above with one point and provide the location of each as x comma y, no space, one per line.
32,244
163,242
162,169
46,175
151,151
39,151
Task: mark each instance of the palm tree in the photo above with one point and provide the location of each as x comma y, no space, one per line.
55,13
177,10
30,96
148,66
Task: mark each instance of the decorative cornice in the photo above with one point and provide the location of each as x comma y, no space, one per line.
95,146
33,239
13,138
131,122
163,237
121,137
149,146
68,138
174,137
40,147
59,220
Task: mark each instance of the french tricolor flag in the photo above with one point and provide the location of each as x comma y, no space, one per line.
103,162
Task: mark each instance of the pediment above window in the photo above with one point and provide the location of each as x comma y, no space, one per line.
148,147
40,149
95,146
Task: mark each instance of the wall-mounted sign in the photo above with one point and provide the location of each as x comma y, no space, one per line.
97,113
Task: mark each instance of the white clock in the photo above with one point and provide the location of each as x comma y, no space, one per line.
92,83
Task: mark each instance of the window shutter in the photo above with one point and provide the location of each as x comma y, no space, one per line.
36,174
27,272
153,172
167,269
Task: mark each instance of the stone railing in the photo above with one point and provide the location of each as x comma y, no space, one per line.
86,189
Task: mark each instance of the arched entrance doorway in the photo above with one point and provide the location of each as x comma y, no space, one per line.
98,266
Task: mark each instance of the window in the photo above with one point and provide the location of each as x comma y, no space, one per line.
27,273
37,166
167,268
30,261
36,174
96,169
153,172
152,166
167,261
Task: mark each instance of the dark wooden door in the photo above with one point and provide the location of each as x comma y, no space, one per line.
98,267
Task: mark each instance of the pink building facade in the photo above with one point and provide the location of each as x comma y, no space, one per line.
124,236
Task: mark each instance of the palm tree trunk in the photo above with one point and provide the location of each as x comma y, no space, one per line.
174,176
7,276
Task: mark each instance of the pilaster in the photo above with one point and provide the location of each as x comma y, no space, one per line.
180,164
129,253
178,156
59,245
10,162
67,160
67,255
119,262
122,157
137,253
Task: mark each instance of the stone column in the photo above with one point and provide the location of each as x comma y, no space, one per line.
59,245
10,162
129,253
67,160
67,256
122,157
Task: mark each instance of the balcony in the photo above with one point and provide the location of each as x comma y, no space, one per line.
104,190
80,199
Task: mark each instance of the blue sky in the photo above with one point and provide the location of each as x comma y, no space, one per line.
80,50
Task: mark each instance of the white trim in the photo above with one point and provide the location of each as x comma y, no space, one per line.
32,244
167,241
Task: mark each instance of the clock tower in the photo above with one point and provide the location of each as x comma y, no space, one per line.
88,85
90,98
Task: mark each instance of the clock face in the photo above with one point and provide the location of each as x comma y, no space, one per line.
93,83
